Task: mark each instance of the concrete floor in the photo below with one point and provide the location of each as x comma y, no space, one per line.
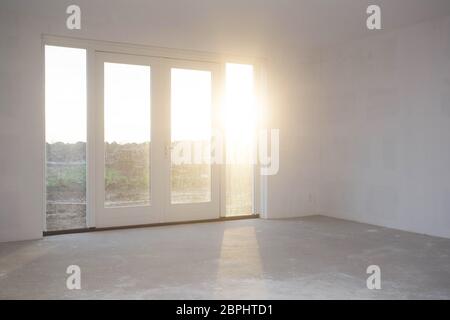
306,258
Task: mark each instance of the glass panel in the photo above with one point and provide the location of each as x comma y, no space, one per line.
240,126
65,132
127,135
239,190
190,136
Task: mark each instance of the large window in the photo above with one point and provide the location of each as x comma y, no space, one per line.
240,126
155,141
65,130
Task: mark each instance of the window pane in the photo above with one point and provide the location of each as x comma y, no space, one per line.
65,131
127,135
191,136
240,125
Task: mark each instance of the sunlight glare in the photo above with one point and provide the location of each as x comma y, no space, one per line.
65,94
239,112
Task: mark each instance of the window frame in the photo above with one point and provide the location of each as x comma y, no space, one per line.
93,46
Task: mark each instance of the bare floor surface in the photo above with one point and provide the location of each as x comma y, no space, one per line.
305,258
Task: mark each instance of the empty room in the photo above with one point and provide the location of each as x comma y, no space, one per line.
224,150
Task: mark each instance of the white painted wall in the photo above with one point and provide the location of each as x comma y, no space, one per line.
385,129
224,27
294,190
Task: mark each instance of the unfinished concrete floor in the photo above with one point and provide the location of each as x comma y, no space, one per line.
305,258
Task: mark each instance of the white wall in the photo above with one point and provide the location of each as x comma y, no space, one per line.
216,26
293,192
385,129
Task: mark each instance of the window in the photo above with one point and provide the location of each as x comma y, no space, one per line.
65,131
155,154
240,126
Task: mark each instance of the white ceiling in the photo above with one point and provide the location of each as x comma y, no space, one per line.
245,26
312,24
318,23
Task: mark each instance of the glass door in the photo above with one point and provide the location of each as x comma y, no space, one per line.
127,152
194,178
154,125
